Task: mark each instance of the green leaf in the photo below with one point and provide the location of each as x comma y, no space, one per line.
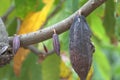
56,2
51,68
64,41
96,26
75,4
31,70
117,29
23,7
109,18
12,27
118,7
116,72
4,71
68,6
113,55
39,5
82,2
101,66
4,5
7,73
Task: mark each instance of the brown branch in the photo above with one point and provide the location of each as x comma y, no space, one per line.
4,17
44,34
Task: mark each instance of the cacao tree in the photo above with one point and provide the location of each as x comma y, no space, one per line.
59,40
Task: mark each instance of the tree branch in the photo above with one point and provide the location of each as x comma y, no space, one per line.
64,25
40,54
4,17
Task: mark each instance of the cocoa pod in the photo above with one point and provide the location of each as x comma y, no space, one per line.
56,43
6,54
16,44
6,57
80,46
4,43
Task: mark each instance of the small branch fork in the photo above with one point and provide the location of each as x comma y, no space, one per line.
60,27
40,54
5,16
37,52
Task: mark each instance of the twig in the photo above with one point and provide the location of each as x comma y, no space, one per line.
56,10
38,52
41,55
44,34
4,17
18,24
34,50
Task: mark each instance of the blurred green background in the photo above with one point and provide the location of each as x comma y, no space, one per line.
104,23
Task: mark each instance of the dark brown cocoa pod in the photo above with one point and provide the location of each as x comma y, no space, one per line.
56,43
6,54
4,43
6,57
80,46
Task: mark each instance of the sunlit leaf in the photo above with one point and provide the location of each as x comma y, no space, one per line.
4,5
65,71
31,23
90,73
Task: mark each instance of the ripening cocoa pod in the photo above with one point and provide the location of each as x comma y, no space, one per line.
56,43
80,46
16,44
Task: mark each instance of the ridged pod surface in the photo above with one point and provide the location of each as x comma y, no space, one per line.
80,46
6,54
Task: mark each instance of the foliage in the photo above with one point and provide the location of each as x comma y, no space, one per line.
105,26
